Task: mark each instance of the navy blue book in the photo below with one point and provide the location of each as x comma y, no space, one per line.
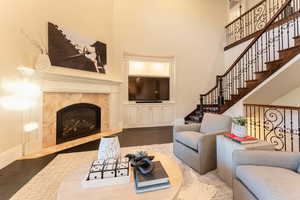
152,187
157,176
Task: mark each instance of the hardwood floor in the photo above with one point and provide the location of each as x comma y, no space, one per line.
70,144
18,173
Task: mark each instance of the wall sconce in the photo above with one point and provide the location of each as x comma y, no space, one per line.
15,103
22,88
26,71
31,127
23,93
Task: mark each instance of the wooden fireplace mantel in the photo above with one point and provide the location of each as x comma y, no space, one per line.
55,73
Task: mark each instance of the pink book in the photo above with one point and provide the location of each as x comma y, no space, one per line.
241,140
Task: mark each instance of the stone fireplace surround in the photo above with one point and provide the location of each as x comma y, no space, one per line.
55,101
63,87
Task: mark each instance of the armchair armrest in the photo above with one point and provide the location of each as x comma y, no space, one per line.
207,149
266,158
188,127
214,134
208,140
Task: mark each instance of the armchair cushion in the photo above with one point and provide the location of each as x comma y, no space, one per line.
270,183
189,139
286,160
212,123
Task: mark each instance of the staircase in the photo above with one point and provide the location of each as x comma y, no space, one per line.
277,43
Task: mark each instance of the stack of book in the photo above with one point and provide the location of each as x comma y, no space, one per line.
156,180
241,140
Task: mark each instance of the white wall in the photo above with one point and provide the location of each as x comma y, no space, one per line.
93,19
190,30
235,11
250,3
292,98
233,53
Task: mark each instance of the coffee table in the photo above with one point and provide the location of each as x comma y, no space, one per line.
71,187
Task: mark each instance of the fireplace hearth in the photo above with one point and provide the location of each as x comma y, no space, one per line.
76,121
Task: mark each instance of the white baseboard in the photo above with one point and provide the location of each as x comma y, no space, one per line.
147,126
33,146
179,121
10,156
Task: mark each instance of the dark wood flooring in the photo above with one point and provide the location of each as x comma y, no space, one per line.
18,173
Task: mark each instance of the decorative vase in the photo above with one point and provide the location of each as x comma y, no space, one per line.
109,148
238,130
42,62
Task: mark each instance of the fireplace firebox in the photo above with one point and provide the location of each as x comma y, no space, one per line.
76,121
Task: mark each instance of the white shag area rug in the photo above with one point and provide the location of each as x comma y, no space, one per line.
45,184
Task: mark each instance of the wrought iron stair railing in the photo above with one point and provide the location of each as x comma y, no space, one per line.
272,48
252,21
279,125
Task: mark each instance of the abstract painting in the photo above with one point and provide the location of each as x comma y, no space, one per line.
71,50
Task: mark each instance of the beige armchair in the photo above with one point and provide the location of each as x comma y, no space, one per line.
266,175
195,144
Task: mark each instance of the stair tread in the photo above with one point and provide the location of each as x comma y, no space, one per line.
210,105
243,89
290,48
262,72
274,61
191,122
295,37
251,80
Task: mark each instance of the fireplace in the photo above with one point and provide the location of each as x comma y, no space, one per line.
61,88
76,121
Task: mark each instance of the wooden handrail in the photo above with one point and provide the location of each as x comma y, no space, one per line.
273,106
212,88
245,13
258,36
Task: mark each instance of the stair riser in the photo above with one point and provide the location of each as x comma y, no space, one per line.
251,84
243,91
234,97
274,65
297,41
261,75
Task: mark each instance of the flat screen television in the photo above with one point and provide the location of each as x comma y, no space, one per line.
148,88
